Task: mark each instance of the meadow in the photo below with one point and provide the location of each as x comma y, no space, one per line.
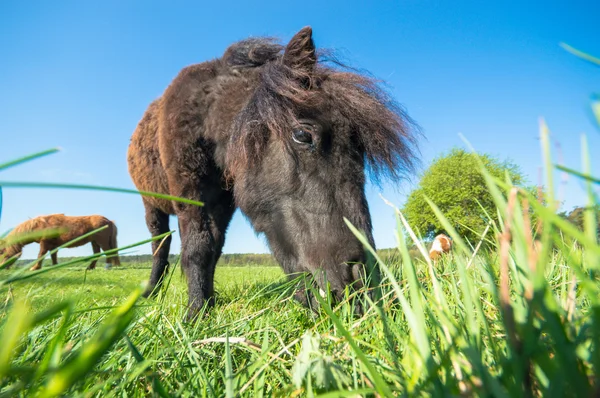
493,323
516,314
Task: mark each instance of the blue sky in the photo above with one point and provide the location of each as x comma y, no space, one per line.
79,75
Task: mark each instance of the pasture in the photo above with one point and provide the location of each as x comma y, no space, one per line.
505,321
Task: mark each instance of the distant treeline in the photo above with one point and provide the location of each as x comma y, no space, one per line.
226,260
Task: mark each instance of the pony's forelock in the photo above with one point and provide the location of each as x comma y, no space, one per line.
383,130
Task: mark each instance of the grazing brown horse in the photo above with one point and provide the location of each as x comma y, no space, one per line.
285,135
61,230
441,244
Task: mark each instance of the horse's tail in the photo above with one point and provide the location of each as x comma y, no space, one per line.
112,241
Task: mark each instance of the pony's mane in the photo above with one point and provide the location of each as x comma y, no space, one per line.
34,224
381,127
31,225
24,228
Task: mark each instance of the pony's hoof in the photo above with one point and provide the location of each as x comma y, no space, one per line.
193,315
150,293
35,268
197,311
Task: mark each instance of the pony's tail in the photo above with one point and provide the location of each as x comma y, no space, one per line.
112,240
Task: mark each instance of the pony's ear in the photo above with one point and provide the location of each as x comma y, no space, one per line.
300,51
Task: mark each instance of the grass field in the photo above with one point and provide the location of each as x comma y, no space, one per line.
517,317
100,287
446,335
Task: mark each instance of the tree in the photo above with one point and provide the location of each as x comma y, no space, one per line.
576,217
455,184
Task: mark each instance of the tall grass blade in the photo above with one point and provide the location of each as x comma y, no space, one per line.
589,58
28,158
379,383
595,105
229,392
414,317
157,386
54,350
260,383
576,173
590,228
16,325
12,184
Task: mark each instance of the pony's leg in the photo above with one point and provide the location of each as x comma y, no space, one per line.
219,216
41,254
193,174
104,246
96,249
202,232
158,223
54,258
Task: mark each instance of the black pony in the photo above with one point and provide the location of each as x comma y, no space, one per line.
285,137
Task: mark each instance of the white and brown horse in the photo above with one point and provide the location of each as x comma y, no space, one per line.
441,244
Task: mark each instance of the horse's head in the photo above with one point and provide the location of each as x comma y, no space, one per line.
9,250
298,155
4,247
7,253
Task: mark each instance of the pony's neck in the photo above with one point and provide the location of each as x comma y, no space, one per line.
233,100
21,233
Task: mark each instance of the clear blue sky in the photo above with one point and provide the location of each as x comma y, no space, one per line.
79,75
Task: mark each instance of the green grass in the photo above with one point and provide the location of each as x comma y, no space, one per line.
253,301
447,335
102,287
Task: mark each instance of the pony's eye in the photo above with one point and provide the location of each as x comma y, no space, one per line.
302,136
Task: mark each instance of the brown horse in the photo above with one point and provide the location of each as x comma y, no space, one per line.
61,230
285,135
